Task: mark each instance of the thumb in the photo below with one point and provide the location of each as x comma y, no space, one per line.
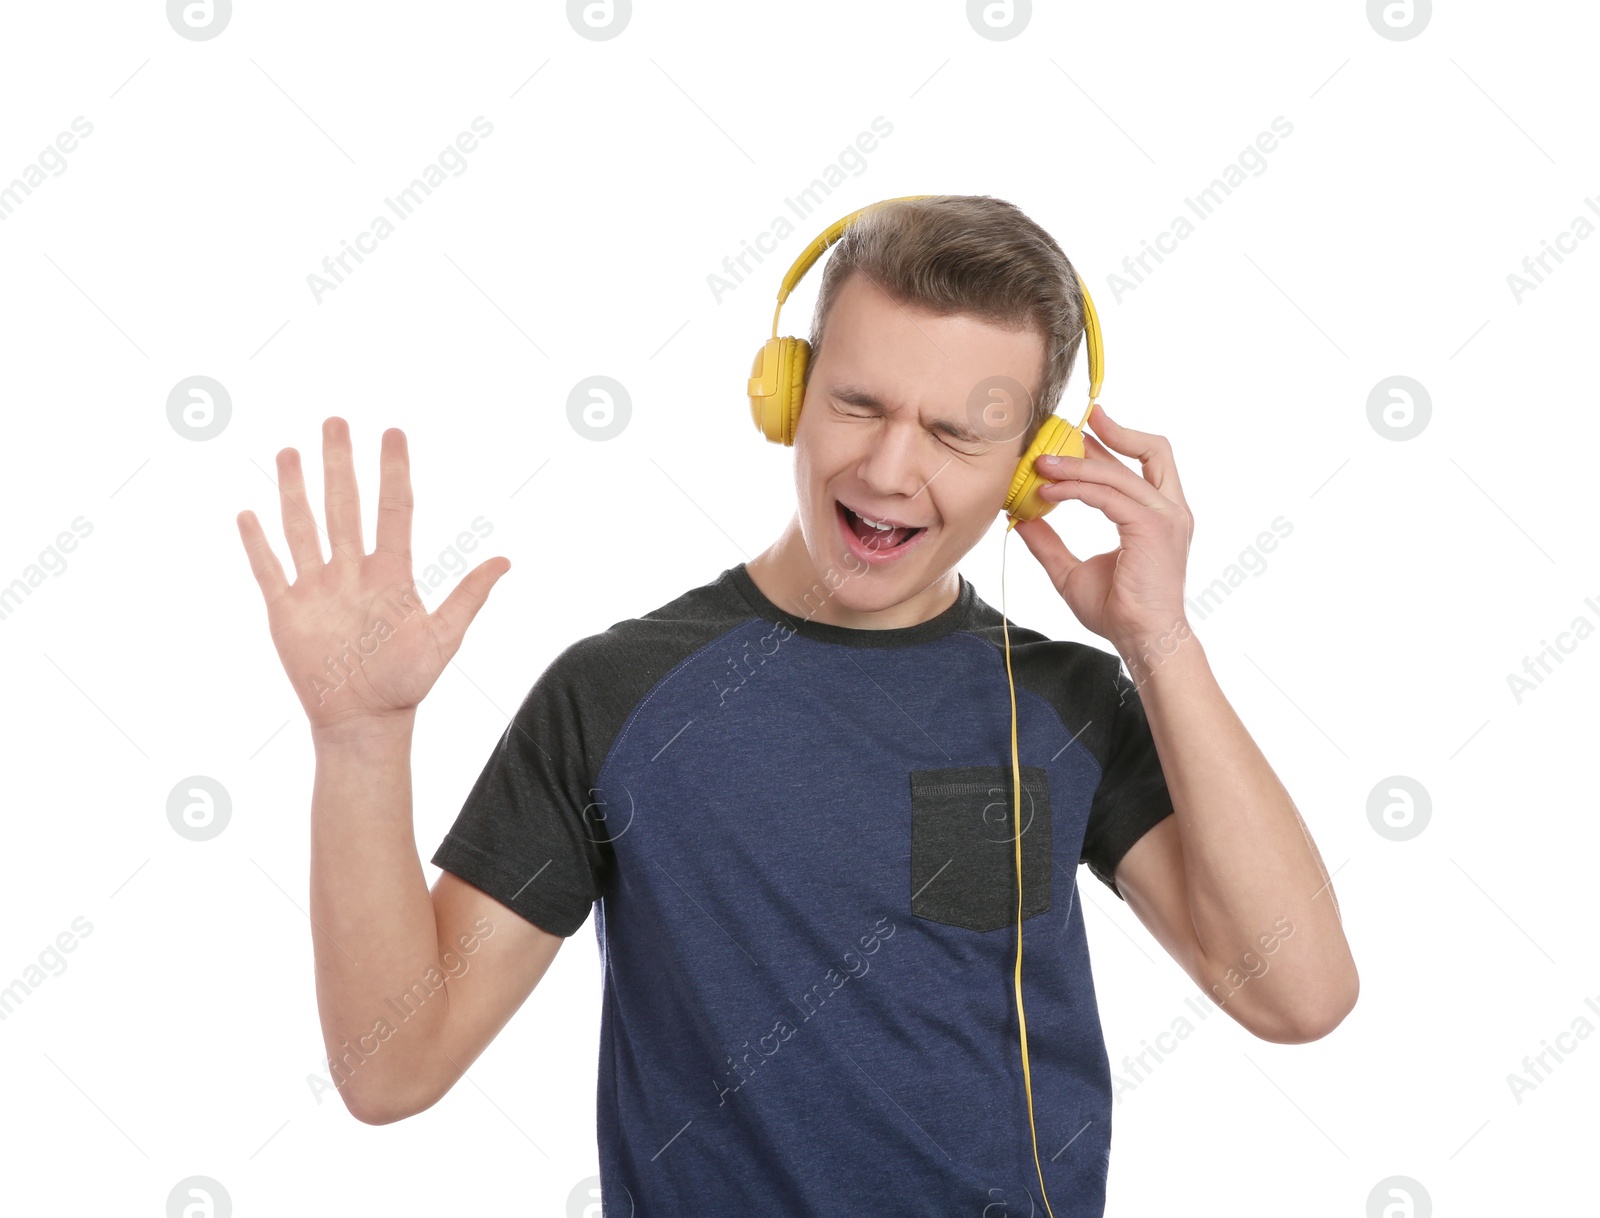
1046,545
463,603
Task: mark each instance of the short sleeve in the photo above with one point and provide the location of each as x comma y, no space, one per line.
1132,796
530,833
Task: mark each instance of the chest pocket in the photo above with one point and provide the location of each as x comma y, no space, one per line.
963,852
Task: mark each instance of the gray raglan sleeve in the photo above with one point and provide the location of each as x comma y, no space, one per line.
531,832
1132,796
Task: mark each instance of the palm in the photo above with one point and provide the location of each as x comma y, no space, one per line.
352,632
353,641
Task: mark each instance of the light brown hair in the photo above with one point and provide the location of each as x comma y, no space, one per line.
973,254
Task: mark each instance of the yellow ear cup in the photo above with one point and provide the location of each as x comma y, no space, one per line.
1057,437
777,387
797,354
764,390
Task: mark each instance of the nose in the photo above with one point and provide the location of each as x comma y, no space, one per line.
897,462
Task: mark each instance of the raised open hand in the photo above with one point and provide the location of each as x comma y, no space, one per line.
352,632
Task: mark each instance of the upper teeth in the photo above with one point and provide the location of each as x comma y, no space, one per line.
878,524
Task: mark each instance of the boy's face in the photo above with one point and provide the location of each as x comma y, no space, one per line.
927,455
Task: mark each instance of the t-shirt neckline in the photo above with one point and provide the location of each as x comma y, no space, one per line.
952,618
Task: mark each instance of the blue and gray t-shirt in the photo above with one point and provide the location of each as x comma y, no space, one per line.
797,840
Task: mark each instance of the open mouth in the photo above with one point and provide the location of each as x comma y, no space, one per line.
874,540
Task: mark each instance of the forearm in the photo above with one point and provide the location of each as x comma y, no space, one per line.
1269,941
374,932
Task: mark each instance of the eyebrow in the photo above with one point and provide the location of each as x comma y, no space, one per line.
861,397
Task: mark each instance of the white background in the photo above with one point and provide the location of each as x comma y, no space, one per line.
1375,642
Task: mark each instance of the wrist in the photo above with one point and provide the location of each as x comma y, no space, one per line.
1147,650
365,731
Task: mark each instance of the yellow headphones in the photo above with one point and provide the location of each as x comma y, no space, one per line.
777,383
777,389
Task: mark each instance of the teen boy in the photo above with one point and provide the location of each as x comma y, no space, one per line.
786,794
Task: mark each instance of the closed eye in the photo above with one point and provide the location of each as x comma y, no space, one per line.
974,447
966,446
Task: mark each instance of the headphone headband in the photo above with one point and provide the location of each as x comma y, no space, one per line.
812,252
809,256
